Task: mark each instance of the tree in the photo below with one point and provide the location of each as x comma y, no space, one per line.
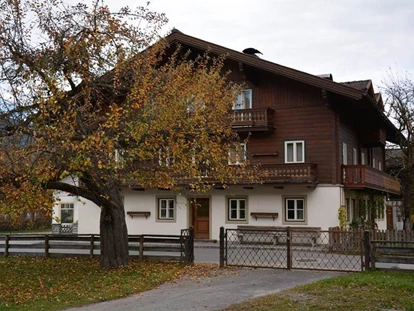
400,100
104,100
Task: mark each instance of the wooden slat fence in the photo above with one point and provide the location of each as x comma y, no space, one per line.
143,247
390,252
340,240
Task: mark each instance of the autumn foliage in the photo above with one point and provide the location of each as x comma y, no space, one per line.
99,96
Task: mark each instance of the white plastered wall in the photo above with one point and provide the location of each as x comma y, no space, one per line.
321,209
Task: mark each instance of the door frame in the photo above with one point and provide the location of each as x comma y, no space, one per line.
190,214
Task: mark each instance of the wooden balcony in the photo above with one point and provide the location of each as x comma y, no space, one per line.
295,173
366,177
253,120
282,174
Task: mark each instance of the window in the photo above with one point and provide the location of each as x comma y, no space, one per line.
354,156
344,154
380,165
66,213
354,210
374,163
238,154
295,151
237,209
363,158
294,210
164,157
244,100
166,209
348,210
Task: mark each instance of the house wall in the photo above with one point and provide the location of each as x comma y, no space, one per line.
321,208
298,109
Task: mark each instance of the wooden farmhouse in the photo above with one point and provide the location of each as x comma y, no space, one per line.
321,142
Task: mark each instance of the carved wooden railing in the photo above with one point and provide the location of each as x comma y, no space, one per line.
251,118
264,173
305,172
363,176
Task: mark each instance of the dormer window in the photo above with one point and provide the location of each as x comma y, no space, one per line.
244,100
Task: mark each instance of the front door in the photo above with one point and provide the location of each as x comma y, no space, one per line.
390,218
201,217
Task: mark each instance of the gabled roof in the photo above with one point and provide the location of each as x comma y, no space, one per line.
178,37
362,85
356,90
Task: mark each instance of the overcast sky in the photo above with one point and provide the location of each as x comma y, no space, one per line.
351,39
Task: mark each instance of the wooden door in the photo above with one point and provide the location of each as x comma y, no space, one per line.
201,217
390,218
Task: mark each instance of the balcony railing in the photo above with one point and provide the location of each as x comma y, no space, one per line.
295,172
256,119
362,176
298,173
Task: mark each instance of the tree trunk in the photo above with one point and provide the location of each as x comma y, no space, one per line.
114,235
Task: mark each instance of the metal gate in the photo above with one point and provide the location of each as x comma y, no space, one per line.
288,248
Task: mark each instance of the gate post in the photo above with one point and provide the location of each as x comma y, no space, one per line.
367,250
221,247
6,245
289,248
191,246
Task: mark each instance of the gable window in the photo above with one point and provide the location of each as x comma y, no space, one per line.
66,213
238,154
295,151
344,154
166,209
237,209
244,100
294,209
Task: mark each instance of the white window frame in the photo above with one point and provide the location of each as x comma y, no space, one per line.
238,209
168,208
295,144
67,207
240,154
241,102
354,156
344,154
164,157
295,219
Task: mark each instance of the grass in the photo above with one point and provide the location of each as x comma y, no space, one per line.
374,290
34,283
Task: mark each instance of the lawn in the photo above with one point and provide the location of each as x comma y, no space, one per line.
28,283
374,290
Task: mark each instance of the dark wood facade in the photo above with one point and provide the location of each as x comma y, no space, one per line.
343,129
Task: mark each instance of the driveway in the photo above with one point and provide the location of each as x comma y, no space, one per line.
212,293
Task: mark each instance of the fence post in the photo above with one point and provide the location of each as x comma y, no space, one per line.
46,245
191,246
289,248
92,246
221,247
367,250
7,246
141,247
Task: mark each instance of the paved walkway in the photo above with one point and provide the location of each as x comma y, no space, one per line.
213,293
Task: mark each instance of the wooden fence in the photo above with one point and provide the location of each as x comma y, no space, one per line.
143,247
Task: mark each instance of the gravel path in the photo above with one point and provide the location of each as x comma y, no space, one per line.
211,293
